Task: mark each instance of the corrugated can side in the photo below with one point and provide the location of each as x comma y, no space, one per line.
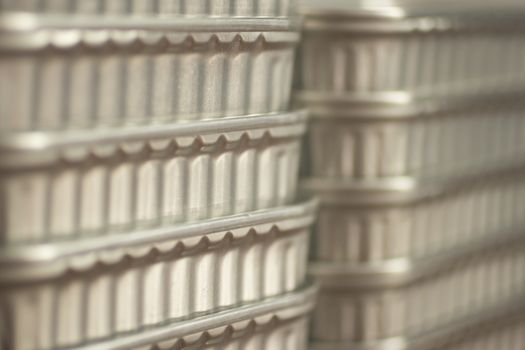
482,282
440,144
290,336
479,211
120,289
223,8
100,78
500,329
80,185
426,60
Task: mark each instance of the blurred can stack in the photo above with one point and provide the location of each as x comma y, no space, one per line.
148,172
417,152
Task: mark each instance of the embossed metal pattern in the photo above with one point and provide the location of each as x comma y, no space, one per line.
499,328
68,186
76,298
486,209
420,59
441,145
157,79
489,280
222,8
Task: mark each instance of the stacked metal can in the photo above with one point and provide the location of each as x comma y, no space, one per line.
417,152
148,171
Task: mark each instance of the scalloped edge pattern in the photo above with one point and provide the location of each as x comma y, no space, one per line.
475,212
130,187
159,33
44,261
300,303
184,138
179,8
468,287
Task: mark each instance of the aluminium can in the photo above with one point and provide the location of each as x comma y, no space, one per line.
394,135
71,185
364,46
90,74
152,8
139,288
407,219
490,279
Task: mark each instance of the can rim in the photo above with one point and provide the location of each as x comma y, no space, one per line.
30,32
404,190
284,307
402,105
400,272
26,149
36,262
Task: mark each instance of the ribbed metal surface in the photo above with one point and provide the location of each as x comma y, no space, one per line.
441,144
248,8
148,176
80,297
430,62
145,179
483,210
487,280
415,152
192,77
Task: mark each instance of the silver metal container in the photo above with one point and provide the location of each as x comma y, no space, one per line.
436,46
455,290
140,288
409,220
397,135
276,323
502,328
160,8
64,186
73,73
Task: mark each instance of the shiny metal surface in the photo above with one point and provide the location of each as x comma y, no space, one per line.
478,283
415,150
160,8
417,222
66,294
291,335
396,272
60,186
498,328
273,323
399,10
422,55
440,144
96,74
246,325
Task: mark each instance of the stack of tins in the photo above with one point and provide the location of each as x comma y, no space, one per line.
417,152
148,173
